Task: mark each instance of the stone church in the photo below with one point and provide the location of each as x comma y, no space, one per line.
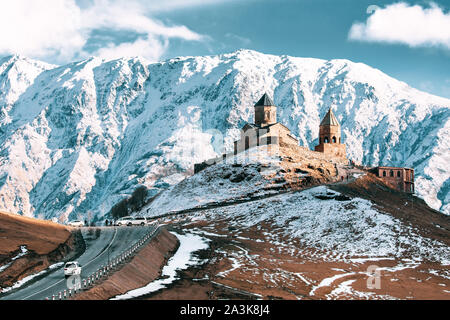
266,131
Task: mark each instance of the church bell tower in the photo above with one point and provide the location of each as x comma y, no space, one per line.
265,111
330,137
330,129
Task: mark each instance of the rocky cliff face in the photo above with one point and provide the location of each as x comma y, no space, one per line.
76,139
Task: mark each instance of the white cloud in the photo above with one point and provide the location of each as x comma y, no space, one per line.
242,40
40,28
168,5
121,15
406,24
150,48
58,30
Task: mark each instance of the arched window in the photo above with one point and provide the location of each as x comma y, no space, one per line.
391,173
247,142
339,139
398,174
334,139
325,140
384,173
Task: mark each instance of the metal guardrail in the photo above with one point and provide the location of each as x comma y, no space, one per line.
103,271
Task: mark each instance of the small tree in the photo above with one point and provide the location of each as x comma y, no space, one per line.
137,198
127,206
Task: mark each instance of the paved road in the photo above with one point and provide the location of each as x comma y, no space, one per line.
100,242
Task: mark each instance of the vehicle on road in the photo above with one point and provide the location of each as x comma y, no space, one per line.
151,222
131,221
72,268
76,223
141,221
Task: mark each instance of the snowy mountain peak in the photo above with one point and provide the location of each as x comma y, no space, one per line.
80,137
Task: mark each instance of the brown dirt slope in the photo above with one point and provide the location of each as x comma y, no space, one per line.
46,243
408,208
145,267
38,235
244,261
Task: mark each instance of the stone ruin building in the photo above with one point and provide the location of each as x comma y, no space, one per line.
401,179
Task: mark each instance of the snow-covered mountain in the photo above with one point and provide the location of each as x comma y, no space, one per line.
76,139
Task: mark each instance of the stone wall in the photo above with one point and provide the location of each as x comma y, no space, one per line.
314,155
332,150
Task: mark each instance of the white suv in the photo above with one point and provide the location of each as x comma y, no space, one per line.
152,222
124,221
72,268
76,223
140,221
131,221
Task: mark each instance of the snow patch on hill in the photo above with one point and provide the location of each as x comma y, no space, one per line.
182,259
233,179
338,229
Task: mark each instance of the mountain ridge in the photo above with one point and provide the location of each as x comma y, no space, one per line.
78,138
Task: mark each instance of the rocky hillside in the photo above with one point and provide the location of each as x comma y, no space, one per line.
315,244
281,232
248,176
28,246
76,139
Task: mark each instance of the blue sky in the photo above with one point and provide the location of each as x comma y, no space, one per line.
408,40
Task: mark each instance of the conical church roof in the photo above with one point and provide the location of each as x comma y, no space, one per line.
265,101
329,119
